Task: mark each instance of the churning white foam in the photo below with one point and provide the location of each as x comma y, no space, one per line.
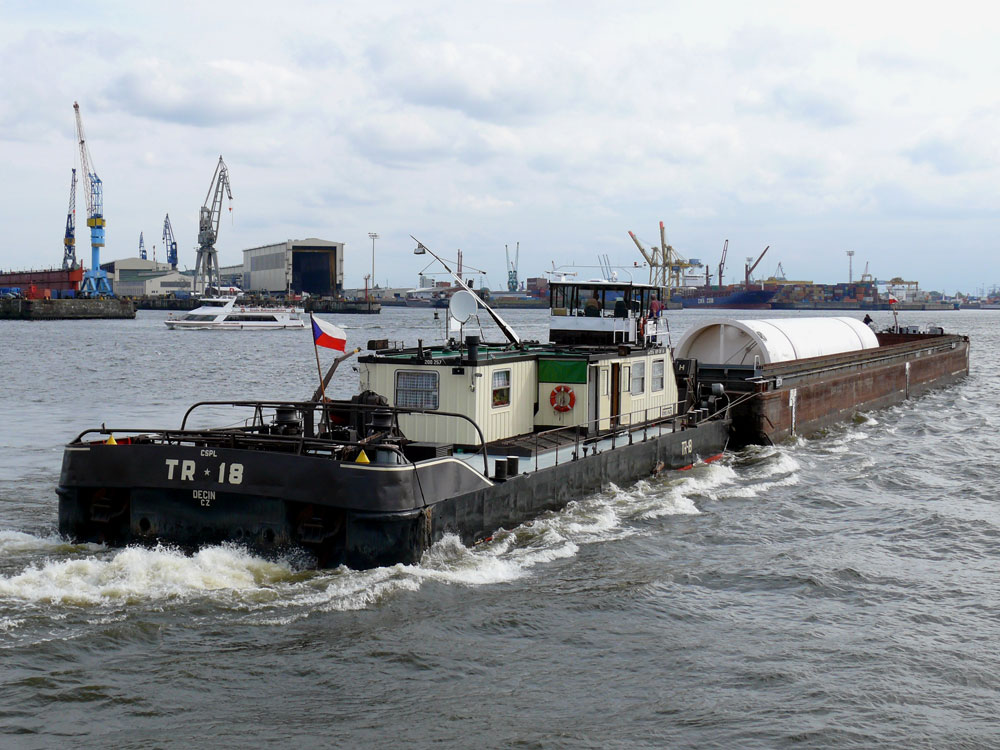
769,467
136,574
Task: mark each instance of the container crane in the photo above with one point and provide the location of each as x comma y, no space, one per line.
95,280
170,243
512,268
142,247
69,243
206,267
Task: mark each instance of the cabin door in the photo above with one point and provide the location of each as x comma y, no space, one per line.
616,392
593,398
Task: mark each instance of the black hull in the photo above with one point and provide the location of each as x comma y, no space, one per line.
341,513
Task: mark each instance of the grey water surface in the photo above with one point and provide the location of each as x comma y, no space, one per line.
833,592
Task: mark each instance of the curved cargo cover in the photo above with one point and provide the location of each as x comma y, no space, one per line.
724,341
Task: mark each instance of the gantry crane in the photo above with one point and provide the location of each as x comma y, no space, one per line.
169,243
206,267
142,247
95,280
69,242
512,268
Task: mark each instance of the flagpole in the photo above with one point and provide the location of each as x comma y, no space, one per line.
319,370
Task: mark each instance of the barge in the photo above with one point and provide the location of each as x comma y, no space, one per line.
466,437
797,376
460,438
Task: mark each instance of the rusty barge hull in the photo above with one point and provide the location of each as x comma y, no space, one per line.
776,401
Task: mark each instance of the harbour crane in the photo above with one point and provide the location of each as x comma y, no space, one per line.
206,267
722,261
69,243
95,280
170,243
512,267
866,276
142,247
666,265
749,268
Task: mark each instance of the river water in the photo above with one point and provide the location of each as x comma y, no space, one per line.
837,592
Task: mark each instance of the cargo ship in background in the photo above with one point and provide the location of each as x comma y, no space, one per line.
731,297
694,289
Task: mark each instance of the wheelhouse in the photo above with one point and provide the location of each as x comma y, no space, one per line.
602,313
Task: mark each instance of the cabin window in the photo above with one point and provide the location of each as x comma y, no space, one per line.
199,317
417,390
501,388
604,381
638,378
657,384
244,318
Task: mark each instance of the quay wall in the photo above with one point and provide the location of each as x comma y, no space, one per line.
65,309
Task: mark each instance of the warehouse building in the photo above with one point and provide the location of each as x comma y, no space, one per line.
295,266
135,277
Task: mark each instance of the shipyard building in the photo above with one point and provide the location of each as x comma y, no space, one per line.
295,266
135,277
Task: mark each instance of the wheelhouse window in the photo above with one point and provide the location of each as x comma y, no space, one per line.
638,378
501,388
657,384
417,389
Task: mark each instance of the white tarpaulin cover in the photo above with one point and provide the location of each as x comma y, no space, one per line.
738,342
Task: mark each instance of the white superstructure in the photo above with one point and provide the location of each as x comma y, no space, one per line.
225,313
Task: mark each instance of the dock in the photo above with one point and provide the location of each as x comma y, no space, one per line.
66,309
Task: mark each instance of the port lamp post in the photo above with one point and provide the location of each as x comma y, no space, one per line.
374,236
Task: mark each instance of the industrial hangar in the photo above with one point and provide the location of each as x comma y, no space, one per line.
295,266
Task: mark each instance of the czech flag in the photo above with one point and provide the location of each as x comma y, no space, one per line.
328,335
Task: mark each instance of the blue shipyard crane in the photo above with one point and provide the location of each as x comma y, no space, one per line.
206,267
69,242
95,280
170,243
142,247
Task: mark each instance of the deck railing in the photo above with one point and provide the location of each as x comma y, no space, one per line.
651,417
252,433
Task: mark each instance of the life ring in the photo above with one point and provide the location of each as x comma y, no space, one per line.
562,398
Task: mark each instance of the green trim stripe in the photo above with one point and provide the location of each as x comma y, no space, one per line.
562,371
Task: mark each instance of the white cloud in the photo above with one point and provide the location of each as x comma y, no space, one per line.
562,125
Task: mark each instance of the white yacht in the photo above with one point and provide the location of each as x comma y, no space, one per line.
225,313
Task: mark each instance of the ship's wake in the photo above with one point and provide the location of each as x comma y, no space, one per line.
43,578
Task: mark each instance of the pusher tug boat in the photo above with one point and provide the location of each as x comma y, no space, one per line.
224,313
462,437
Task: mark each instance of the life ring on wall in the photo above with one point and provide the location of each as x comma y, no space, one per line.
562,398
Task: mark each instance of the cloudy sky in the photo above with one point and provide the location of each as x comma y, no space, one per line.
811,128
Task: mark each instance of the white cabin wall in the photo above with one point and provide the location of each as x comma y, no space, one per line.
464,394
